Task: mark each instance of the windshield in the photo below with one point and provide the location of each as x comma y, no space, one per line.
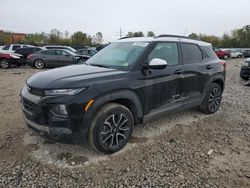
120,55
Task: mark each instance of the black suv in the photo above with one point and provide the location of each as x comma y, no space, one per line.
128,82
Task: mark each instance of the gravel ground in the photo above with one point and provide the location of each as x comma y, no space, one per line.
184,149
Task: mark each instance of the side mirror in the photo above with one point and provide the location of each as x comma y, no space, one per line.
156,64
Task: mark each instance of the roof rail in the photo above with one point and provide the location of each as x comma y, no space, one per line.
124,38
176,36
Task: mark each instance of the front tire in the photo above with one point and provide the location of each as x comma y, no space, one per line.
111,128
39,64
211,102
4,64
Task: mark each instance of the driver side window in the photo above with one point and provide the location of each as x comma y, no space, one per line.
167,51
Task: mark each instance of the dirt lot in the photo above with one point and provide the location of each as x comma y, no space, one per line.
184,149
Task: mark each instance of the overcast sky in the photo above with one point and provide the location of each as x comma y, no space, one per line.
161,16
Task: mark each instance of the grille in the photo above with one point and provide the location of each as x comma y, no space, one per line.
30,106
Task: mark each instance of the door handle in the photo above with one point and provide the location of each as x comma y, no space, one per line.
209,67
178,71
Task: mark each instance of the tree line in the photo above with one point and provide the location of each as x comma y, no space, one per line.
55,37
237,38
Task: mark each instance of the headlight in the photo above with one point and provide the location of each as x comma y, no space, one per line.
63,91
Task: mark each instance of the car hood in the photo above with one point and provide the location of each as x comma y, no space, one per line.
75,76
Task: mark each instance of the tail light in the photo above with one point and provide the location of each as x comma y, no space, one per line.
223,63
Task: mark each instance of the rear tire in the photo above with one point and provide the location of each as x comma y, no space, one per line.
212,100
39,64
239,56
4,64
111,128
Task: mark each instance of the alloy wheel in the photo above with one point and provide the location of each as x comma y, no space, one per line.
214,99
115,131
4,64
39,64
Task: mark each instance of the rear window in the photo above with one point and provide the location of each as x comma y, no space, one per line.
207,51
191,53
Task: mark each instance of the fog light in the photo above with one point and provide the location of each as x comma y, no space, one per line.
59,109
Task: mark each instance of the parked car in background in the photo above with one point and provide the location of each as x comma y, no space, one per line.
235,54
100,47
13,47
27,51
245,70
222,54
7,60
246,53
128,82
61,47
54,58
87,52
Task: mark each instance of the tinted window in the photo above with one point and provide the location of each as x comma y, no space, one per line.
19,50
191,53
84,52
15,47
207,51
6,47
62,53
49,52
36,49
166,51
92,52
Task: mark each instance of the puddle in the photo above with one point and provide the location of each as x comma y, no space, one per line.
134,140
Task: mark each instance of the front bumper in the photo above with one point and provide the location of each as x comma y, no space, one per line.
38,116
245,72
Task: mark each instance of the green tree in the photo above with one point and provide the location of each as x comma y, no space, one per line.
130,34
138,34
55,36
5,38
99,37
38,39
194,36
150,34
80,39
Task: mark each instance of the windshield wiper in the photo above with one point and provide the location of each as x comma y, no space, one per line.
100,65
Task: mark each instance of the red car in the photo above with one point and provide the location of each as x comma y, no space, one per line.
8,59
222,54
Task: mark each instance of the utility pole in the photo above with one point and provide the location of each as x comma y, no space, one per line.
120,33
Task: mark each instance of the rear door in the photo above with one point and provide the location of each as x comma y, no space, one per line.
193,70
50,58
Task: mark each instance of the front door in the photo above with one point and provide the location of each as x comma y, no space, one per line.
63,58
162,86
